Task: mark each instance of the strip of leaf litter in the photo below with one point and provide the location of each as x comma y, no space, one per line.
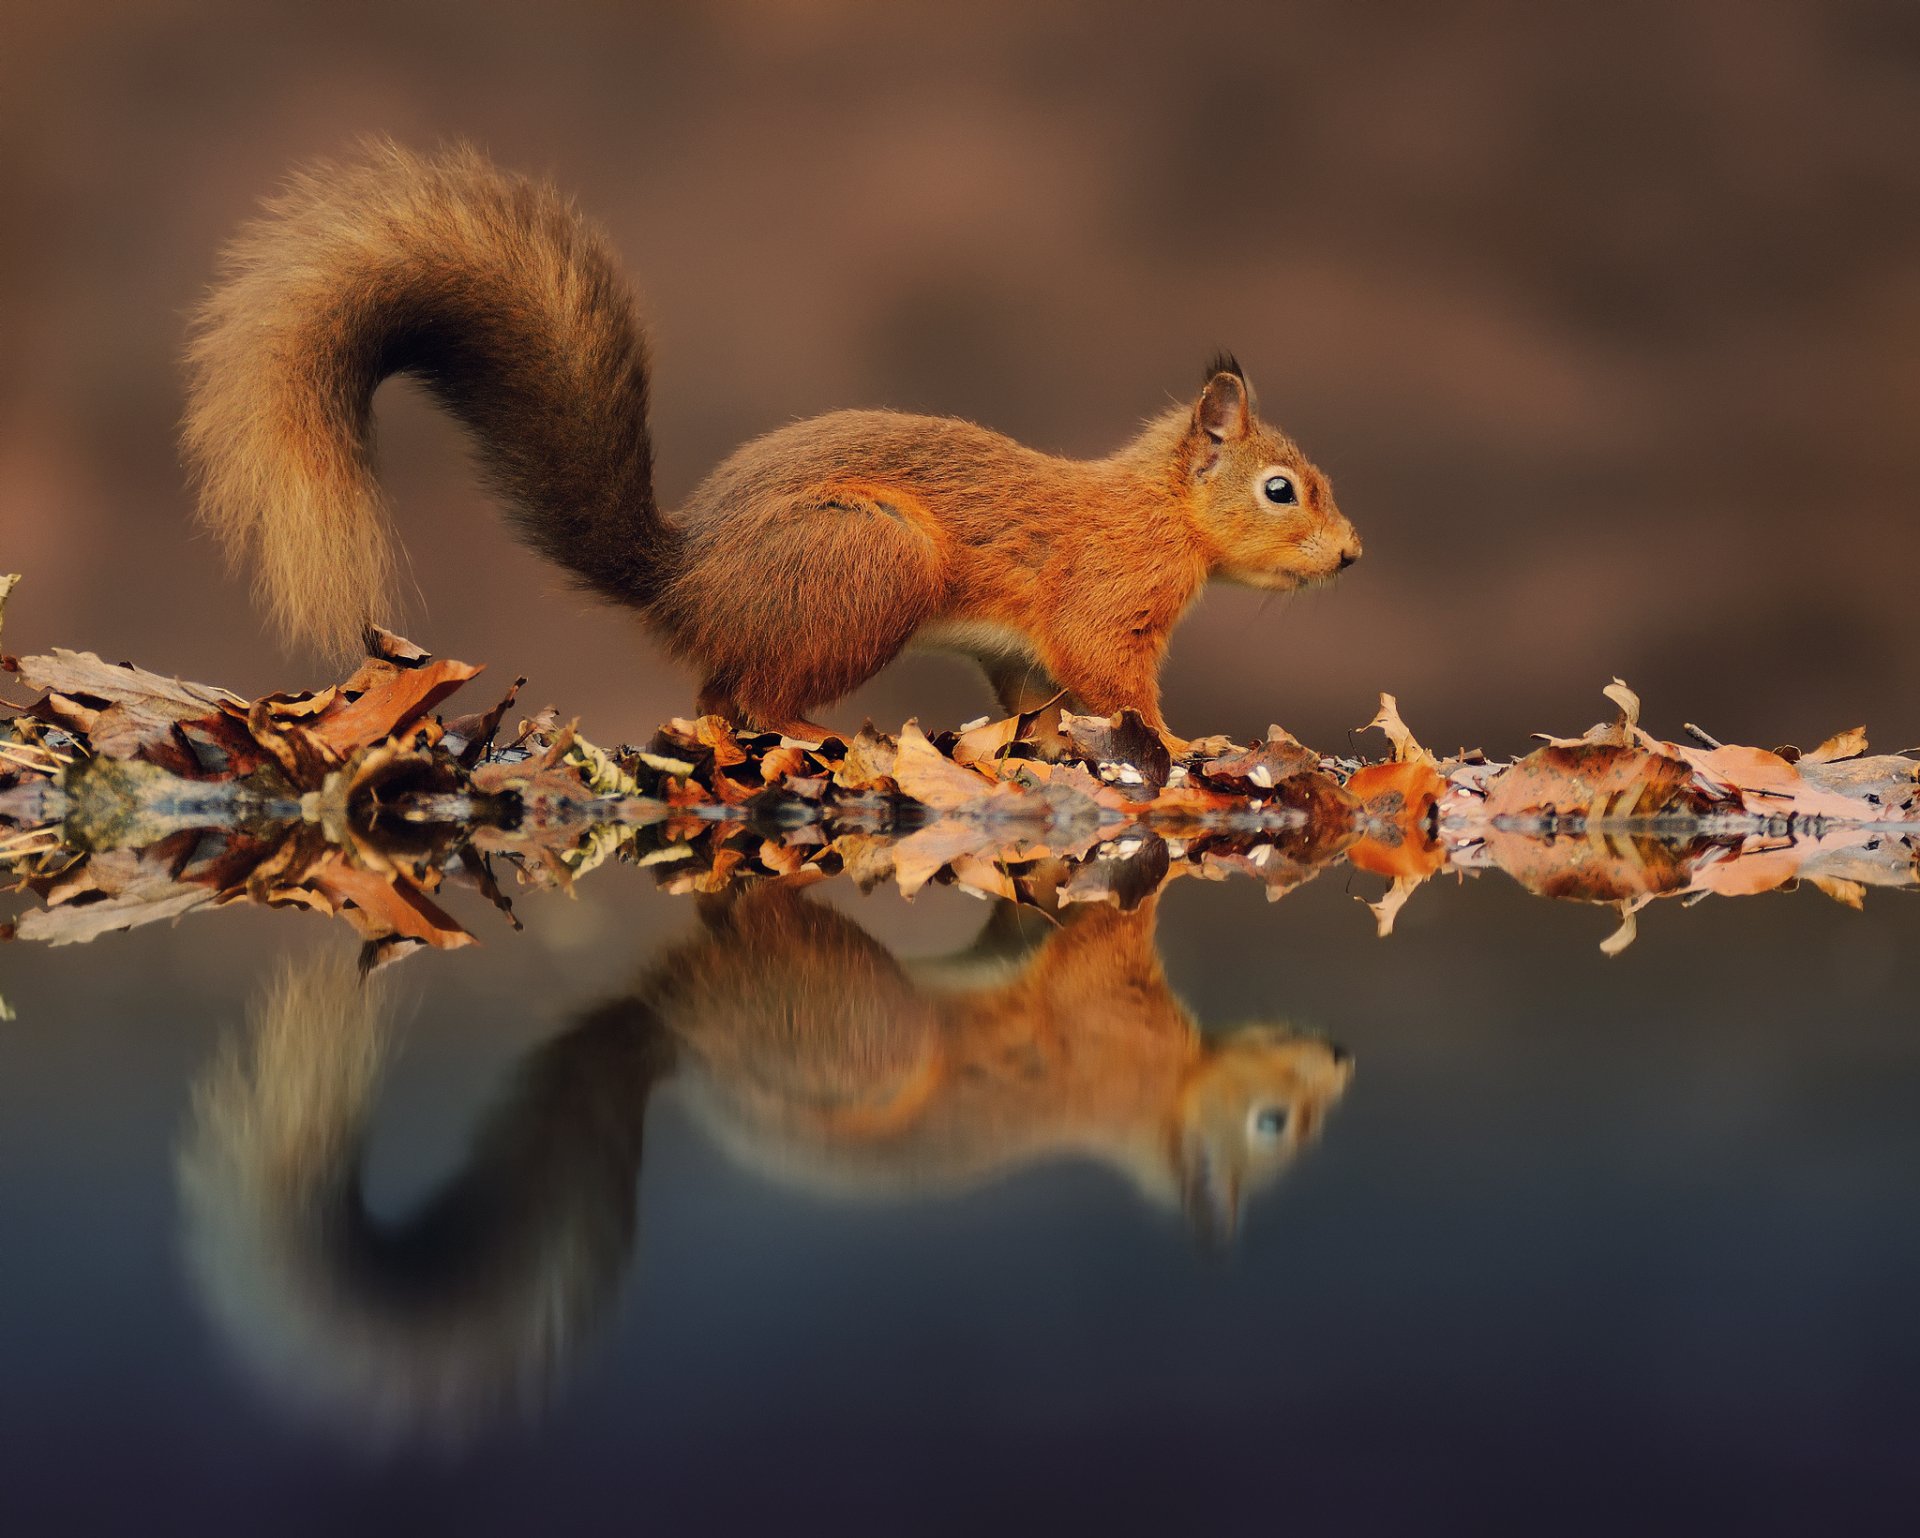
359,799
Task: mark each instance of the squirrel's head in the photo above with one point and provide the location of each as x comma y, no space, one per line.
1266,512
1252,1102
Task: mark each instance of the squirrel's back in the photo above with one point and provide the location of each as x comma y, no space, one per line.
500,298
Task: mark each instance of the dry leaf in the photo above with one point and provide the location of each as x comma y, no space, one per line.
1849,894
923,853
1628,931
1848,744
1766,785
8,580
983,876
1595,781
933,779
391,706
1123,739
1387,910
379,906
982,746
869,760
1264,765
1405,747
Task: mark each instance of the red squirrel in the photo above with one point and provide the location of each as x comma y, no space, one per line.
800,567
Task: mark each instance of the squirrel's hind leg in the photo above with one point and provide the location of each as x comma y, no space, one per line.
837,583
716,698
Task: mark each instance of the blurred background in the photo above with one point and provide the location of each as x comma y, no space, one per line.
1605,321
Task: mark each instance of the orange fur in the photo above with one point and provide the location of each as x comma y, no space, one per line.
808,558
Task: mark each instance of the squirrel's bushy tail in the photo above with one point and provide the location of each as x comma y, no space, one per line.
490,289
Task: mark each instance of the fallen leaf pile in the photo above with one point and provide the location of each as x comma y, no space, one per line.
127,797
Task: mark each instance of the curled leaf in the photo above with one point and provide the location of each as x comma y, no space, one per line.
1848,744
1406,748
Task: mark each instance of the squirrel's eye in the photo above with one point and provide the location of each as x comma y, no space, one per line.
1278,490
1270,1121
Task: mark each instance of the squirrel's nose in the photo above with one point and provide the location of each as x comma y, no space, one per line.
1348,557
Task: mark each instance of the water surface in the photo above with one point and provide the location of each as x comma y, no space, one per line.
1580,1242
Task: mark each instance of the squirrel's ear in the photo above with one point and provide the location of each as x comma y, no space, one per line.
1223,410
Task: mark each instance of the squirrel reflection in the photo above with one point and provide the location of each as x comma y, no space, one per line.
806,1048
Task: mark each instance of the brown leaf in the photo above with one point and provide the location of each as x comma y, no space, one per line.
371,674
1600,868
1320,798
983,875
1627,933
1400,792
105,893
1126,873
297,707
1265,764
388,707
77,925
381,905
867,858
546,719
1120,739
73,715
923,853
1202,748
1760,865
1882,785
7,582
136,710
1386,911
1395,805
784,763
220,747
1189,803
384,645
982,746
118,683
1849,894
782,859
1848,744
1629,704
1387,719
1767,785
1281,868
1386,849
868,764
480,730
1593,780
303,757
715,733
932,779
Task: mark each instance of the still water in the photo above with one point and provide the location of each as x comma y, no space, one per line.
814,1210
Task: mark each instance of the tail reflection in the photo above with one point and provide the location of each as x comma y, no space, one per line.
468,1308
806,1048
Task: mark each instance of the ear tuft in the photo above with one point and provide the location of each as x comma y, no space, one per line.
1223,362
